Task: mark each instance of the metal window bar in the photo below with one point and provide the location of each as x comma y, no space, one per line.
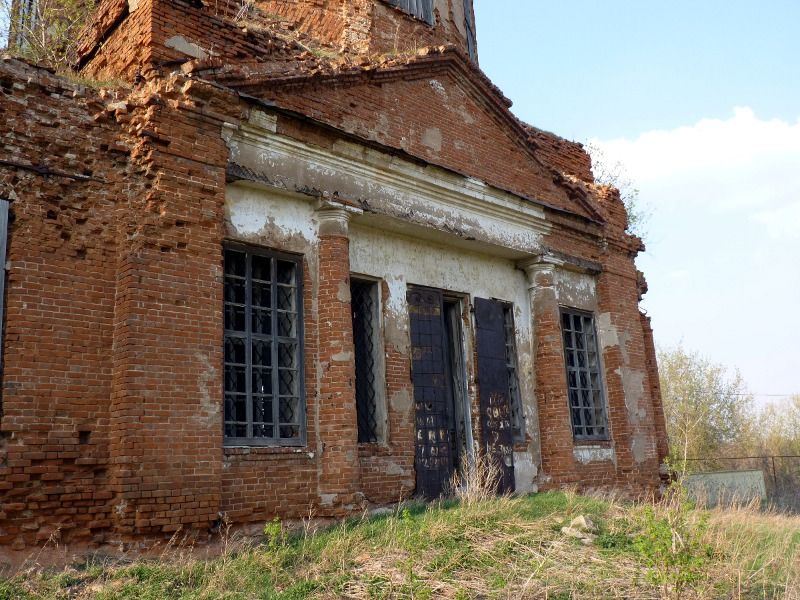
584,381
364,297
263,384
517,416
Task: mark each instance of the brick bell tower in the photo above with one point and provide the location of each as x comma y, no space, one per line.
382,26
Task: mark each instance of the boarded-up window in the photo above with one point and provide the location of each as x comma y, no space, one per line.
264,401
421,9
586,398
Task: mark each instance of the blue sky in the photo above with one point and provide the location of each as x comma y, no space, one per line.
701,101
591,68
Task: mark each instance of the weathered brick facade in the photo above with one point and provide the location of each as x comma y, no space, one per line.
301,127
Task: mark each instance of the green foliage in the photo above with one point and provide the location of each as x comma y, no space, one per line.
671,544
51,33
615,174
275,534
499,548
707,408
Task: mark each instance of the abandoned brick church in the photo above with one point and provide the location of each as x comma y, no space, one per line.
298,255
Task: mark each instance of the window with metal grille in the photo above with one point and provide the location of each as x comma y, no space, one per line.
264,402
586,398
365,304
421,9
517,415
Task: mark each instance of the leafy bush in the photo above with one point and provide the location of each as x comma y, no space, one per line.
671,543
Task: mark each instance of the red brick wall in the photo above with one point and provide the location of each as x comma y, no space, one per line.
369,26
64,240
338,428
111,426
117,44
136,42
562,155
654,389
430,116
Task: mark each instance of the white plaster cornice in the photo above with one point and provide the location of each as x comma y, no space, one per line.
390,185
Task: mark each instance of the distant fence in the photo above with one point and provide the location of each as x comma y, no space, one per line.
781,475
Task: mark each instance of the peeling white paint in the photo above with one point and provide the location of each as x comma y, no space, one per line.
576,290
525,473
606,332
467,116
401,402
394,469
447,204
438,88
403,261
593,454
251,211
328,500
432,138
343,292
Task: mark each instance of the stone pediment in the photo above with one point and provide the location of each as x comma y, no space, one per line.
436,107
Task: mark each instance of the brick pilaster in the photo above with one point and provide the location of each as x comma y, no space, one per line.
558,461
338,426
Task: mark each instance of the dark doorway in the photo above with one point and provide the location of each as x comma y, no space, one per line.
439,375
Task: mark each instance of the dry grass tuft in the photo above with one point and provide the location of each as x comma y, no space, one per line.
475,546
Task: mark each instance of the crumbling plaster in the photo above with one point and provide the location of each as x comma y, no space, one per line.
611,339
402,261
270,217
482,217
417,224
576,290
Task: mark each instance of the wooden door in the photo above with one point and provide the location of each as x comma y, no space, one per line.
495,395
434,458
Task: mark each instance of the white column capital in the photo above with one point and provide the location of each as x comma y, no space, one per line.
535,265
334,218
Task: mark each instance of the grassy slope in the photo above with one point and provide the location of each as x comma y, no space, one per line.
506,548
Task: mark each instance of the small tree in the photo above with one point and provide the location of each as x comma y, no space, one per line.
708,410
45,31
607,172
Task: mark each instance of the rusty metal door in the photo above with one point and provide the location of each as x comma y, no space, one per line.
495,396
432,395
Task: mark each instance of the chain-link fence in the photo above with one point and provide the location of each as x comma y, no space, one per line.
781,475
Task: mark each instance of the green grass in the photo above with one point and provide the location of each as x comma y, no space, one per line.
501,548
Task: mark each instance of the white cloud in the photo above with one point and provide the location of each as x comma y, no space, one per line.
783,221
723,239
742,163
